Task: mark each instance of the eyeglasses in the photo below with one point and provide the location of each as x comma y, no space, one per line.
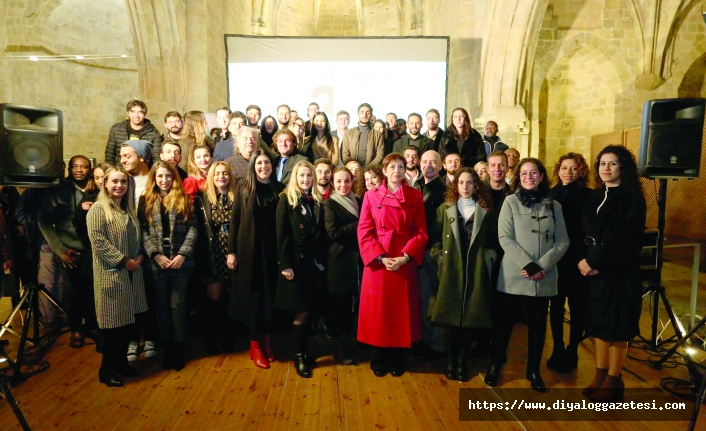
529,174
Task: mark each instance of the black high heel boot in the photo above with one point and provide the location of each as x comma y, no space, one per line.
380,363
451,352
303,363
535,379
464,348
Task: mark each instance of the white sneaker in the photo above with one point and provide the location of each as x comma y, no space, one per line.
132,351
150,350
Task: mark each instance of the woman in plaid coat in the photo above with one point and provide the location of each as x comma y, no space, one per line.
118,285
169,235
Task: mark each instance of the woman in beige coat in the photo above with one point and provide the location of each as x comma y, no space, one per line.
118,284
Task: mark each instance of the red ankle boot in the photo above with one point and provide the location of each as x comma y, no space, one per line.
257,356
267,349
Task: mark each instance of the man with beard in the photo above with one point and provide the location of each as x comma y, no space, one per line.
434,132
174,124
289,156
411,157
246,138
171,152
284,116
56,223
400,128
323,169
222,118
452,164
513,157
311,111
363,143
253,112
434,192
491,140
136,127
414,138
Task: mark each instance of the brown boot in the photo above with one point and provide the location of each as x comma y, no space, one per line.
598,379
612,390
77,340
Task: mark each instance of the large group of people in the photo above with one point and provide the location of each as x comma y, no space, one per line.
431,243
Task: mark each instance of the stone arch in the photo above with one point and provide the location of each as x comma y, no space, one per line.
692,84
555,122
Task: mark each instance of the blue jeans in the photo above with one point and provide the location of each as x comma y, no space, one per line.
170,292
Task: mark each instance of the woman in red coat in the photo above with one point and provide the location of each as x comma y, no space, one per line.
392,234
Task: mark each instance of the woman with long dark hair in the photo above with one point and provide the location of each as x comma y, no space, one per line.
213,207
571,175
465,248
118,284
341,215
321,144
614,221
252,253
392,235
532,233
300,243
267,130
169,236
461,138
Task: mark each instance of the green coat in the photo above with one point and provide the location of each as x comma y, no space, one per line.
463,295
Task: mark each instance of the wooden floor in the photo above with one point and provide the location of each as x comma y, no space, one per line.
228,392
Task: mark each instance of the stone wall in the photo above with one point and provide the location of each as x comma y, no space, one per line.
91,93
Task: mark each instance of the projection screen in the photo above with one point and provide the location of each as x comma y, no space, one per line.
400,75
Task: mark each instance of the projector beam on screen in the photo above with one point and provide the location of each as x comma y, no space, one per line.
400,75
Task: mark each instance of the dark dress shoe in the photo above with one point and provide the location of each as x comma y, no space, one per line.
77,340
178,360
493,375
555,361
301,365
110,379
536,380
380,369
569,364
398,369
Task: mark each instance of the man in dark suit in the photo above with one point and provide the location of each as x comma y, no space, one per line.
414,138
289,156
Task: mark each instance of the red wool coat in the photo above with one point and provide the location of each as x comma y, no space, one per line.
389,300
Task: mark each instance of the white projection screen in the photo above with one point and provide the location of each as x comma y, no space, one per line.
400,75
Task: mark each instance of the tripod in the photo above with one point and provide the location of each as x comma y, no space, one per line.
31,298
5,390
655,287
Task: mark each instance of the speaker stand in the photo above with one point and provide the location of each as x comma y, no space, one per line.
655,287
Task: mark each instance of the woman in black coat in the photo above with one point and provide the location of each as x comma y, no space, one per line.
301,248
341,214
462,139
614,220
252,253
571,190
213,207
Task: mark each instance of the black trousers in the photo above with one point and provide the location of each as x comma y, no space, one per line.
145,326
505,309
115,342
339,314
576,289
81,300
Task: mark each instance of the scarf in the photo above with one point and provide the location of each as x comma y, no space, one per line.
528,198
466,207
347,202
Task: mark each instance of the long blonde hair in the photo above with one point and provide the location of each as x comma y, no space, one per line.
107,202
210,187
293,192
175,198
194,127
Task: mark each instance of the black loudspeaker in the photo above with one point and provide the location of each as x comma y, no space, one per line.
31,146
670,139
